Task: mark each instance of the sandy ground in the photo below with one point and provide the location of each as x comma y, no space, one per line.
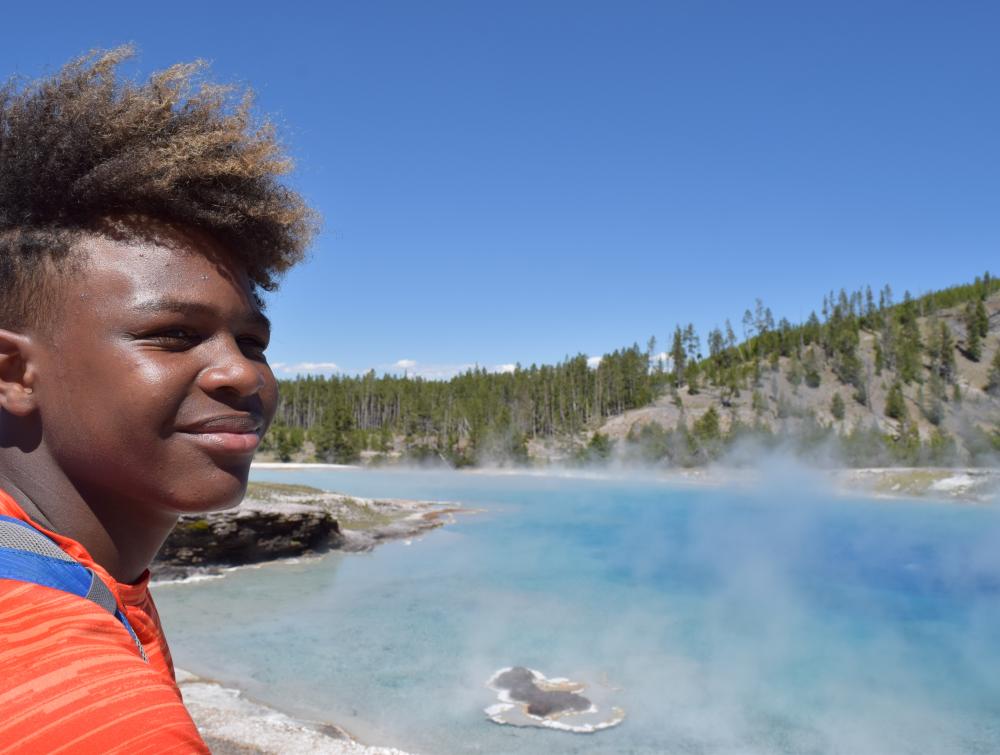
234,725
969,485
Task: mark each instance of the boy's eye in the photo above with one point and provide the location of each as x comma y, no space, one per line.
175,338
253,347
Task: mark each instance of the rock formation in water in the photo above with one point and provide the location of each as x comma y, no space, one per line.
254,532
528,698
522,687
285,521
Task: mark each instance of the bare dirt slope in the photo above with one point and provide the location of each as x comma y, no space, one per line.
783,404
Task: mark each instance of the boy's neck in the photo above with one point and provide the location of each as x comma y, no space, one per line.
122,538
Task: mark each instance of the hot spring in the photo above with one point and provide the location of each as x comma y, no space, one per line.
779,619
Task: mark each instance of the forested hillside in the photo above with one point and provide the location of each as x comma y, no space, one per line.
865,380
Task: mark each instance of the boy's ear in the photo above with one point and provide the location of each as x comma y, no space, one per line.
17,374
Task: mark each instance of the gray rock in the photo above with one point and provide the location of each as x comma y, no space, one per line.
256,531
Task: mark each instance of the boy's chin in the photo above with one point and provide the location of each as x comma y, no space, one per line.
223,491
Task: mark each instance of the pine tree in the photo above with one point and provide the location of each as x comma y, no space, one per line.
909,351
993,378
691,377
837,407
706,427
895,404
692,343
973,339
932,401
678,356
599,447
794,373
982,319
811,366
758,403
946,353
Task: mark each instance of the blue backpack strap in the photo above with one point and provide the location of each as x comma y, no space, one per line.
26,555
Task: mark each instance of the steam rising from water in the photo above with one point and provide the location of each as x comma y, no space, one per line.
780,619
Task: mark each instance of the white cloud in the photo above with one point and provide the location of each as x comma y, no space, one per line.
439,371
301,368
594,362
665,358
413,368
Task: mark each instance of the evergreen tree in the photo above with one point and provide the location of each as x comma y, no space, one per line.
811,369
837,407
942,451
982,319
716,343
941,349
860,394
758,403
692,343
706,427
334,438
932,401
599,448
895,404
691,377
973,338
794,373
730,386
992,386
678,356
910,346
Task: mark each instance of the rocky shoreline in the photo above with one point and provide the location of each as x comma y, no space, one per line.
232,724
277,521
964,484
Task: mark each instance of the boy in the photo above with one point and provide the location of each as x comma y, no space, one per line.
137,225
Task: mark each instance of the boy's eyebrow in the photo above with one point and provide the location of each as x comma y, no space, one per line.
195,308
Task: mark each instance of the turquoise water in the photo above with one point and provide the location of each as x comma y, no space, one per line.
778,620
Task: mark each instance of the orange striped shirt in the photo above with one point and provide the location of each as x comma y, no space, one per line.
71,678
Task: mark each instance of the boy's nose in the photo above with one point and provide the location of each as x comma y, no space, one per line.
232,371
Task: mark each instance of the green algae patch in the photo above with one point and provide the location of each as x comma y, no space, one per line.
910,481
353,515
271,491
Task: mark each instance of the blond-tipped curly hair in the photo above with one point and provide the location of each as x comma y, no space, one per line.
86,145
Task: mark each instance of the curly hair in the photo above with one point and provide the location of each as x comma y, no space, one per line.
84,146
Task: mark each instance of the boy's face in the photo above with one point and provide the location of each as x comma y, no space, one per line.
152,386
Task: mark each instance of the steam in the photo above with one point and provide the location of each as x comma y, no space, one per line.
788,630
776,616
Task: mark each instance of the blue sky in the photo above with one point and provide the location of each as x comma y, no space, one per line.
519,181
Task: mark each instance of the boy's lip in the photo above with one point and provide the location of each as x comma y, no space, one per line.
225,423
227,433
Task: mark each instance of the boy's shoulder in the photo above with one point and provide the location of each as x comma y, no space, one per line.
71,674
70,677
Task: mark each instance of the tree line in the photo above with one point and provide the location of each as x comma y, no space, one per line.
475,415
480,414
